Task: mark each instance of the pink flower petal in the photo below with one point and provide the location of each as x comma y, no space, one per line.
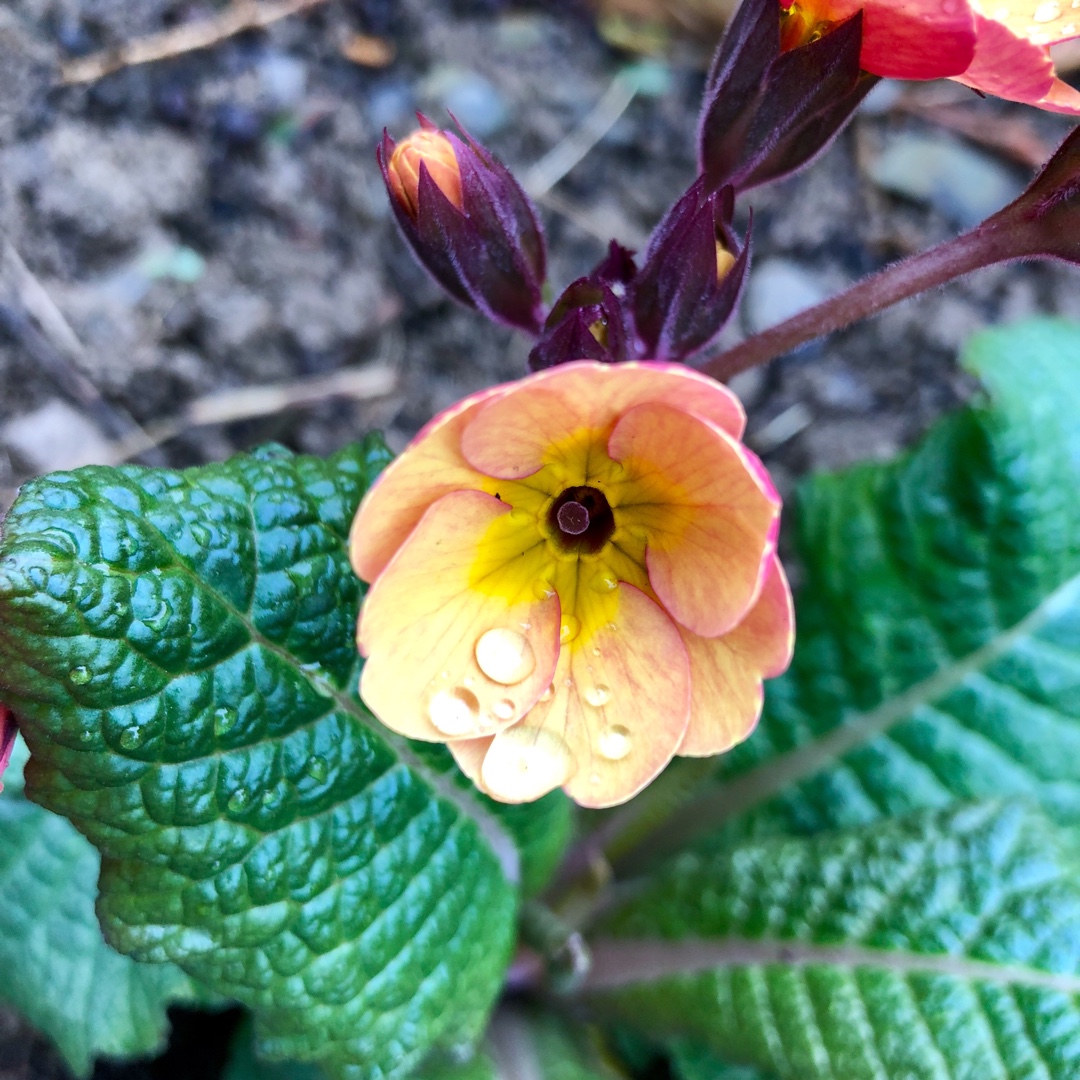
1008,66
512,436
431,466
1061,98
726,672
709,511
8,731
618,709
458,645
911,39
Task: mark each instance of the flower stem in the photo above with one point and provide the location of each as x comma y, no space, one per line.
989,243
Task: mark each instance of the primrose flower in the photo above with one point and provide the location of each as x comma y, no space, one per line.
995,48
573,578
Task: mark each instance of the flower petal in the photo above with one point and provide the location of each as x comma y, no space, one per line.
619,708
1007,66
458,645
708,507
912,39
726,672
1056,21
512,435
1061,98
430,467
8,731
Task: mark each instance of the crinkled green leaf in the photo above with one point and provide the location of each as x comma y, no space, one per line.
938,643
178,647
943,946
58,971
692,1061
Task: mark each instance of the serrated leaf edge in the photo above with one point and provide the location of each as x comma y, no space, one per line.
622,962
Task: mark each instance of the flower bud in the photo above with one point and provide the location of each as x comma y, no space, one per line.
468,222
430,150
780,88
692,275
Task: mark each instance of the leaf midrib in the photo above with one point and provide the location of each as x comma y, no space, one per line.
620,963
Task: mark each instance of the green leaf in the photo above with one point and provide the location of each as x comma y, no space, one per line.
938,643
692,1061
58,971
179,650
945,946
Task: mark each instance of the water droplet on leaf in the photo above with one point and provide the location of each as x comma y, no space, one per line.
505,656
454,712
130,737
614,742
318,769
225,719
80,675
239,800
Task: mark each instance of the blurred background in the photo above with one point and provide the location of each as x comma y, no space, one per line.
196,253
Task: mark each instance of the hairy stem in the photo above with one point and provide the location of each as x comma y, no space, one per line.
991,242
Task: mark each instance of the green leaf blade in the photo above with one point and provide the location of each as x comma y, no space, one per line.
179,648
942,945
59,973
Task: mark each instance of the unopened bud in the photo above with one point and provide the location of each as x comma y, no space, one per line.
724,261
432,150
468,221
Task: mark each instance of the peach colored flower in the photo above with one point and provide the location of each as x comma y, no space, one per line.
573,578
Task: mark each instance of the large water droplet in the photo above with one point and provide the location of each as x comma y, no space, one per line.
524,763
543,589
130,737
613,742
604,583
1047,11
504,709
225,719
318,769
571,627
597,695
454,712
80,675
505,656
239,800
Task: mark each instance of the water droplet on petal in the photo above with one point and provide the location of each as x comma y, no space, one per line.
454,712
318,769
604,583
597,695
611,627
1047,11
504,709
80,675
130,737
505,656
225,719
543,589
238,800
524,763
571,627
613,742
595,652
594,778
525,625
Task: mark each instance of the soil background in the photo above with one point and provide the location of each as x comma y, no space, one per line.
216,223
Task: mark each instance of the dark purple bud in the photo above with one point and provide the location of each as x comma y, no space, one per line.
770,109
468,221
588,321
693,273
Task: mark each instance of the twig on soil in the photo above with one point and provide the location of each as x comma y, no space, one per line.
371,381
239,16
562,157
29,314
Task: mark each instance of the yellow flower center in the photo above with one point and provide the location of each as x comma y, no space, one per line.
577,528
